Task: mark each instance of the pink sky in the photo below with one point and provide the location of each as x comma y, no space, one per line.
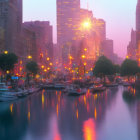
118,14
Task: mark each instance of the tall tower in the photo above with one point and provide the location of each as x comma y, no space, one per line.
10,25
68,13
138,30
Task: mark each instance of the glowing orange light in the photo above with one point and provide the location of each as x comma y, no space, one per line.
85,49
86,24
85,64
21,62
77,114
11,108
70,57
7,71
89,130
51,64
83,56
43,100
29,57
42,66
57,110
45,70
48,68
48,58
95,113
29,115
5,52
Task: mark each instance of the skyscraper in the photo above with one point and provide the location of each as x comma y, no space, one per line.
10,25
138,30
68,12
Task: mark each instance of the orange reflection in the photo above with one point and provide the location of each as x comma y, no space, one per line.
95,113
43,100
57,110
77,114
89,130
29,115
85,100
11,108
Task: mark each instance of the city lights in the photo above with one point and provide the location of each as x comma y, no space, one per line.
42,66
29,57
5,52
48,58
83,56
86,24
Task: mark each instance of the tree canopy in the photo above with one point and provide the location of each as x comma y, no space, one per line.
129,67
103,67
7,61
32,67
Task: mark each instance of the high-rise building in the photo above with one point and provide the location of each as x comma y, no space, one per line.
10,25
68,12
38,41
131,48
138,30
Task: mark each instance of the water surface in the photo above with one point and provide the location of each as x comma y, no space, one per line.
51,115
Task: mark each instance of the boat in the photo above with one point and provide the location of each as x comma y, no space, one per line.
74,91
97,88
59,86
49,86
3,88
7,94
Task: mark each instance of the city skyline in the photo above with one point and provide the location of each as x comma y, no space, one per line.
106,9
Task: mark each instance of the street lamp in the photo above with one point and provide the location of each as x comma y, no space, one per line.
83,56
5,52
29,57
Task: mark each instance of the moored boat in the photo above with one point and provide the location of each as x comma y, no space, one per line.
97,88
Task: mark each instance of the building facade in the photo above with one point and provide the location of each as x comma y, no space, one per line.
138,31
38,41
131,48
10,25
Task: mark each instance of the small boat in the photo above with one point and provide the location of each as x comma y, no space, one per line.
59,86
98,88
48,86
75,91
3,88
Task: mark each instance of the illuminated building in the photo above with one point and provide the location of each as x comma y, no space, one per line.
131,48
67,28
38,40
10,25
138,30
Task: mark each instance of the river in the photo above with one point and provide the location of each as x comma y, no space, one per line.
52,115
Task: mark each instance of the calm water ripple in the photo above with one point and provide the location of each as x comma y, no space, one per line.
51,115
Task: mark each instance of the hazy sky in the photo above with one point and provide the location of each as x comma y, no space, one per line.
118,14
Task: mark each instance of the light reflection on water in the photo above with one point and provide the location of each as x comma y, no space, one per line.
51,115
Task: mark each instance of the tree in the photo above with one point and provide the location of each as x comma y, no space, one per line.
129,68
117,68
7,61
103,67
32,67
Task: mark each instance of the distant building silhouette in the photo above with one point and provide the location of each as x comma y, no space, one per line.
10,25
131,48
138,30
